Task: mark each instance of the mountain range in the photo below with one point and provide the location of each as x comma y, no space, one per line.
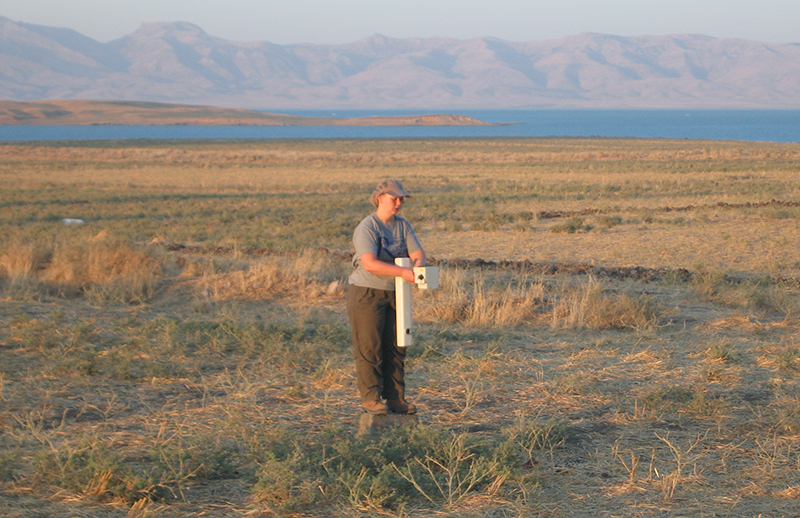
180,63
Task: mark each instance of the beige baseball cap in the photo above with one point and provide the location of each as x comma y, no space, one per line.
392,187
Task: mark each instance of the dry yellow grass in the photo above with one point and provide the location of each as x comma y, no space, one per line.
635,180
103,269
226,388
744,244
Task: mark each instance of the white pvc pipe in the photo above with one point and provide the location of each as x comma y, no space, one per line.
402,293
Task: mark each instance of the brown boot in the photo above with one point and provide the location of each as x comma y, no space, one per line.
401,406
375,407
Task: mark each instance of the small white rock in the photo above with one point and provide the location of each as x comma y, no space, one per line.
334,288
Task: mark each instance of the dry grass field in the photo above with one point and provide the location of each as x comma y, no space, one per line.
616,333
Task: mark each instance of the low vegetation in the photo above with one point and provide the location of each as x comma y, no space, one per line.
615,333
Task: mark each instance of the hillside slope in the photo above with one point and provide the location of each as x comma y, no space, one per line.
147,113
181,63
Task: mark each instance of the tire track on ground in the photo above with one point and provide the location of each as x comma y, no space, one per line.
525,266
637,273
554,214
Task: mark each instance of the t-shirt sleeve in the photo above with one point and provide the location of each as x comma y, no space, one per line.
412,242
365,241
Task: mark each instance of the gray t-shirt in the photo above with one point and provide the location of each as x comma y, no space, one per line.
373,236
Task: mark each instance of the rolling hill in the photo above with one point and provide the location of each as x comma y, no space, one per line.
79,113
180,63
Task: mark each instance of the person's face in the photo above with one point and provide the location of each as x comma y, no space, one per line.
390,203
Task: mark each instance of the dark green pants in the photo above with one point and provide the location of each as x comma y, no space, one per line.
380,364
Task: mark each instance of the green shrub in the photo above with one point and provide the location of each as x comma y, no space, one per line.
571,226
675,398
609,221
91,467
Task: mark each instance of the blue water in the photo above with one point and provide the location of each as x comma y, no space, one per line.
744,125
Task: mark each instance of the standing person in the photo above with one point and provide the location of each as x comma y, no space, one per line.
379,239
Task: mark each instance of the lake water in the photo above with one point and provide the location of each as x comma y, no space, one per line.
746,125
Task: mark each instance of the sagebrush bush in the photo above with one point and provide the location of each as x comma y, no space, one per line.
571,226
411,464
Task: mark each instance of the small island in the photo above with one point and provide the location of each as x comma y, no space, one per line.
135,113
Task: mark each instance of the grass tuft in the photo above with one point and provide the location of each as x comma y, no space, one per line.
105,270
589,305
473,299
571,226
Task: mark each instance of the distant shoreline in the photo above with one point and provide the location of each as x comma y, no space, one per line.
134,113
748,125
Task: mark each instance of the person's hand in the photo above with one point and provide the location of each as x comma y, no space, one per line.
408,275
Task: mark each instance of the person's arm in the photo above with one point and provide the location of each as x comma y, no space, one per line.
377,267
419,258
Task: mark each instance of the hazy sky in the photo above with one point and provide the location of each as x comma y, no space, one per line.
343,21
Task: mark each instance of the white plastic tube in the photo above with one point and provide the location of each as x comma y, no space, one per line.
402,293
